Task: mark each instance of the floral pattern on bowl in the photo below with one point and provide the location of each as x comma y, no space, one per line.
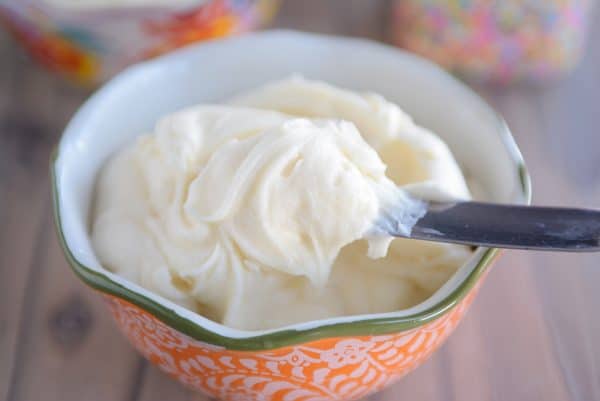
339,368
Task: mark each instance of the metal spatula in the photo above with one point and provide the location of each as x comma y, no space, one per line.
501,226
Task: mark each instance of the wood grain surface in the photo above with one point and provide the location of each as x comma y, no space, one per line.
533,333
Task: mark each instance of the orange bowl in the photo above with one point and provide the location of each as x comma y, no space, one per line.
339,358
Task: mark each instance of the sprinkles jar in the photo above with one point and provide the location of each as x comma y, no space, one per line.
89,41
492,40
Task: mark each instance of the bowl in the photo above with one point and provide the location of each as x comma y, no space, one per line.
89,41
330,359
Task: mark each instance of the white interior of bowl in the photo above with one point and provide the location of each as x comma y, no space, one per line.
130,104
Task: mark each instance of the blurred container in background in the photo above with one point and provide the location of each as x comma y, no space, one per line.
498,41
90,40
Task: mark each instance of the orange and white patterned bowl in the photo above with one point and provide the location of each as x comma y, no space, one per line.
332,359
335,368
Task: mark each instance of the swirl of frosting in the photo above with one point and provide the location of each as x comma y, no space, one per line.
252,214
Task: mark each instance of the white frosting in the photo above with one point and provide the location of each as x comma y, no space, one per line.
253,214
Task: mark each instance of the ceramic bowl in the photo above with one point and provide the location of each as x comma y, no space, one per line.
331,359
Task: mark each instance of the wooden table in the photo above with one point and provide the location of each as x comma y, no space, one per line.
533,333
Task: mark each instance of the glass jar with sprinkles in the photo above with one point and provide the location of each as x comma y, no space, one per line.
495,41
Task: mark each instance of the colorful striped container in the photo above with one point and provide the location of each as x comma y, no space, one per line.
90,44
